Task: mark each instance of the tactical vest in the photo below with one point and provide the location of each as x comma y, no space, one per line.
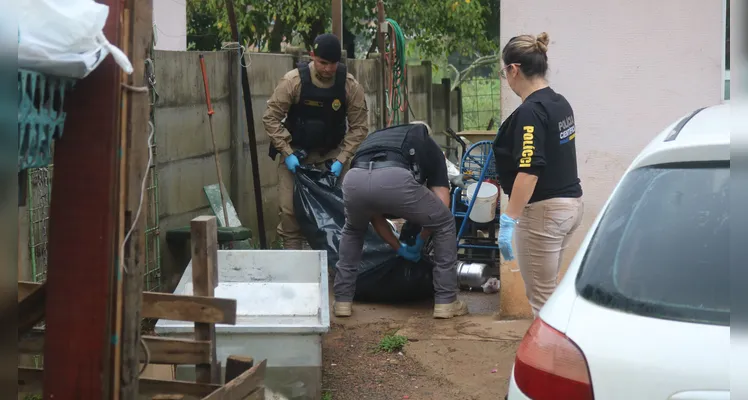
318,121
394,144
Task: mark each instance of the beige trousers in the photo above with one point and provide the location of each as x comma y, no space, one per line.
288,229
542,234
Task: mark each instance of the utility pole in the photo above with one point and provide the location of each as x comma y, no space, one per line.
337,20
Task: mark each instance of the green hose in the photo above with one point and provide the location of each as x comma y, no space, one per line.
397,95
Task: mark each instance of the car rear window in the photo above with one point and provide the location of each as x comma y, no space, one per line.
661,248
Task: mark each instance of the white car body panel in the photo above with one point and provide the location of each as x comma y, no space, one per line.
635,357
642,358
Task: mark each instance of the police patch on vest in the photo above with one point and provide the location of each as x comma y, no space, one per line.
314,103
336,105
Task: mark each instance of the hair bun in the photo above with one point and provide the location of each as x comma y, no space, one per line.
542,42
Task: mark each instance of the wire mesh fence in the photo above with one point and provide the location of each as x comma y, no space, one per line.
39,193
481,94
481,103
152,273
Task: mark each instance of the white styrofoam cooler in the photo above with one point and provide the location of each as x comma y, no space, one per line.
282,311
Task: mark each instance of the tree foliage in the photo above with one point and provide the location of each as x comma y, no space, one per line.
443,27
436,27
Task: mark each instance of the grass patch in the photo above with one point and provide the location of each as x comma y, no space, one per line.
392,343
327,396
275,244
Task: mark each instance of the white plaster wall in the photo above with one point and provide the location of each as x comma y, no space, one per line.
628,68
170,17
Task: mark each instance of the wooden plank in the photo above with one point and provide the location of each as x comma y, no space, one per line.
31,309
237,365
119,282
138,151
30,381
82,233
161,350
337,21
25,288
204,240
382,65
153,387
203,309
258,394
176,351
172,307
429,94
243,385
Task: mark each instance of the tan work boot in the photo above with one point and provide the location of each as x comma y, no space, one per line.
292,244
342,308
453,309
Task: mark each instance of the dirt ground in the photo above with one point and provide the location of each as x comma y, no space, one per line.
467,357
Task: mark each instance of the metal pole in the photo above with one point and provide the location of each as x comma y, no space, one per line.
250,127
475,195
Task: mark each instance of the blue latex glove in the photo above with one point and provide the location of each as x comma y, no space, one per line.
337,168
419,244
292,162
506,233
407,253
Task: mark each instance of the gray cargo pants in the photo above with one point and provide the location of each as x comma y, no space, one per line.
371,192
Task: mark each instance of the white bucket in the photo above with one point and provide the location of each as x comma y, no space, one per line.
484,209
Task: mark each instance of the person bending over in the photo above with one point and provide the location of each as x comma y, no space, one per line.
399,172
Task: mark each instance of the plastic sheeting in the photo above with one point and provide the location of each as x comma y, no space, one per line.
382,275
65,38
453,172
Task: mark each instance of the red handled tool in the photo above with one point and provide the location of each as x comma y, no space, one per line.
213,137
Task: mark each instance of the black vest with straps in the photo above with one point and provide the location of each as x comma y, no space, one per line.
393,144
318,121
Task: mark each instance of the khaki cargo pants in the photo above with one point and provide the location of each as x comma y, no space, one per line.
288,229
542,234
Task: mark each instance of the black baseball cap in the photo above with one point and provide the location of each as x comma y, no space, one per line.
327,47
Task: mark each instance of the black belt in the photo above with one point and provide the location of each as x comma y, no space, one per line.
379,164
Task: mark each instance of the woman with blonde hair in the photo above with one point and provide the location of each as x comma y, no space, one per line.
536,162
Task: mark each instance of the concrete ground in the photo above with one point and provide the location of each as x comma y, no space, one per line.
467,357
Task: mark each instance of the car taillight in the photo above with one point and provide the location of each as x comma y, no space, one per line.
549,366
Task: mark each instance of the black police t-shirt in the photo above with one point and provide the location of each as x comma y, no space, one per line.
431,161
539,139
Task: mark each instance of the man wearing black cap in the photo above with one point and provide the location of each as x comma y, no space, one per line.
317,115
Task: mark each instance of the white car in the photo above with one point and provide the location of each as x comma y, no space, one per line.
643,312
